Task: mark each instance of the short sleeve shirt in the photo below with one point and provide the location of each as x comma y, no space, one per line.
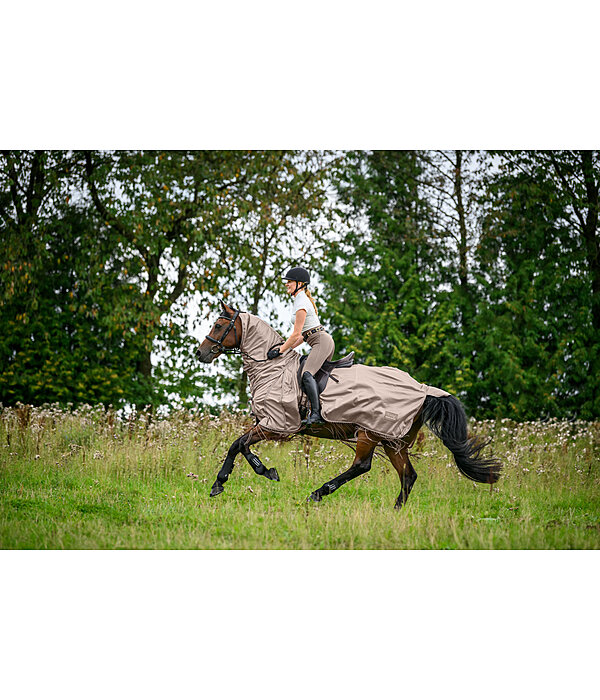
301,301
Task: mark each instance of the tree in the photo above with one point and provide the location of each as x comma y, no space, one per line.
284,226
536,327
382,278
56,344
205,222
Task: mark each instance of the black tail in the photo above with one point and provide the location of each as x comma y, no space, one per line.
445,416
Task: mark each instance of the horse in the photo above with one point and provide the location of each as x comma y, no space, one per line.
444,415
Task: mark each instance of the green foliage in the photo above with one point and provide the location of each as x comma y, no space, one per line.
283,223
60,344
105,249
481,282
534,336
477,272
381,279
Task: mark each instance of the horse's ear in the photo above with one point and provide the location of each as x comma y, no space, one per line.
224,305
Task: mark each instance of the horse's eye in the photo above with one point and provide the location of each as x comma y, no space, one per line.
217,326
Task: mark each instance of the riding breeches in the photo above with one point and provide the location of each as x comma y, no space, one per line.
322,348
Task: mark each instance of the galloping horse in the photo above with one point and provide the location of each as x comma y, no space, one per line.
444,415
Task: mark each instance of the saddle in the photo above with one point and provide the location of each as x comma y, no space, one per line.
322,376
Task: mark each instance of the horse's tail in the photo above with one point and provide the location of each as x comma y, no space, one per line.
445,417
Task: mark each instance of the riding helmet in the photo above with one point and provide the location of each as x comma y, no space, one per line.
298,274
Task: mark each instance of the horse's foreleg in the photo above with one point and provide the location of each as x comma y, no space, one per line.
365,447
227,467
242,444
251,438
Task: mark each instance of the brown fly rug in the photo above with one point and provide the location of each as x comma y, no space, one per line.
383,400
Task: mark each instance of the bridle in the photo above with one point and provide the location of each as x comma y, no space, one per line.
218,342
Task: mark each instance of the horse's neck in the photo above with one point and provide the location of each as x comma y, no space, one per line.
262,337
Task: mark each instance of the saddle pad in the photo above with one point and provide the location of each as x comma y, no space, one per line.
384,400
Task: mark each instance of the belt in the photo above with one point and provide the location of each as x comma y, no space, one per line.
316,329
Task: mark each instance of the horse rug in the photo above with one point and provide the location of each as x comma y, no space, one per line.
383,400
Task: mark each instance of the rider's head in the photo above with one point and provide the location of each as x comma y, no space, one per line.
297,278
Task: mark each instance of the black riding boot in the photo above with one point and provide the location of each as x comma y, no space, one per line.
309,384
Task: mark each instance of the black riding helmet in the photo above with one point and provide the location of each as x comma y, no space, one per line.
300,276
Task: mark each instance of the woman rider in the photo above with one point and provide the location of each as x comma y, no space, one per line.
307,328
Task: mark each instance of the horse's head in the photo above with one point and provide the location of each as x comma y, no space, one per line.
225,334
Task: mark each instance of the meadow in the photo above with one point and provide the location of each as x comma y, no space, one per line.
89,479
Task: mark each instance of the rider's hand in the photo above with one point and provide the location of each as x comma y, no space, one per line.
273,353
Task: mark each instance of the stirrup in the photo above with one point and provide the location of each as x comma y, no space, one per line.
313,418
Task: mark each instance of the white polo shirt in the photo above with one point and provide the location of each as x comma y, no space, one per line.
301,301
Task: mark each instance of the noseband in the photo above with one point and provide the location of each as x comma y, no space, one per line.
218,343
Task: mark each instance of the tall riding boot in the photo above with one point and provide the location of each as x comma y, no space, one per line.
311,388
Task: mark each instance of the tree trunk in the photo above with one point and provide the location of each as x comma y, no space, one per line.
590,228
145,372
462,243
462,224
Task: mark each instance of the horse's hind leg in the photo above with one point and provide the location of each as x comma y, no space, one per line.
402,464
365,447
406,472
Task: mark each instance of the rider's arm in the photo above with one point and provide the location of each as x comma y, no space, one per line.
296,338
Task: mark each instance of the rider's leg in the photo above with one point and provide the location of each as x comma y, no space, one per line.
309,384
322,349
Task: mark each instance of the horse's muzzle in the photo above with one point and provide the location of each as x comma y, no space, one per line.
204,355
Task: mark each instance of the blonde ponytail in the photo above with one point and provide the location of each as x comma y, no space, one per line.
312,301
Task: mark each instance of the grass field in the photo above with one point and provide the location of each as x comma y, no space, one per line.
85,479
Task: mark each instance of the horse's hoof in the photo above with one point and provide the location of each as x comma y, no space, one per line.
216,489
315,496
272,474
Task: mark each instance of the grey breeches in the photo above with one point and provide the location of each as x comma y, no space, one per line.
322,348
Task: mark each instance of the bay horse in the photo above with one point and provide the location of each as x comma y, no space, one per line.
445,417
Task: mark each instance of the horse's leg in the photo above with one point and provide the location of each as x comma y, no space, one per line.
227,467
406,472
402,464
242,444
365,447
252,459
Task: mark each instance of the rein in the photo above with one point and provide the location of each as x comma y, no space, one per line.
218,343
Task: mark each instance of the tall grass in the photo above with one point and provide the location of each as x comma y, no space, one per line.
89,479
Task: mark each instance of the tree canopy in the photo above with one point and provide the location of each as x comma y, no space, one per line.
476,271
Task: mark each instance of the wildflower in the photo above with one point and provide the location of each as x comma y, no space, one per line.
192,476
